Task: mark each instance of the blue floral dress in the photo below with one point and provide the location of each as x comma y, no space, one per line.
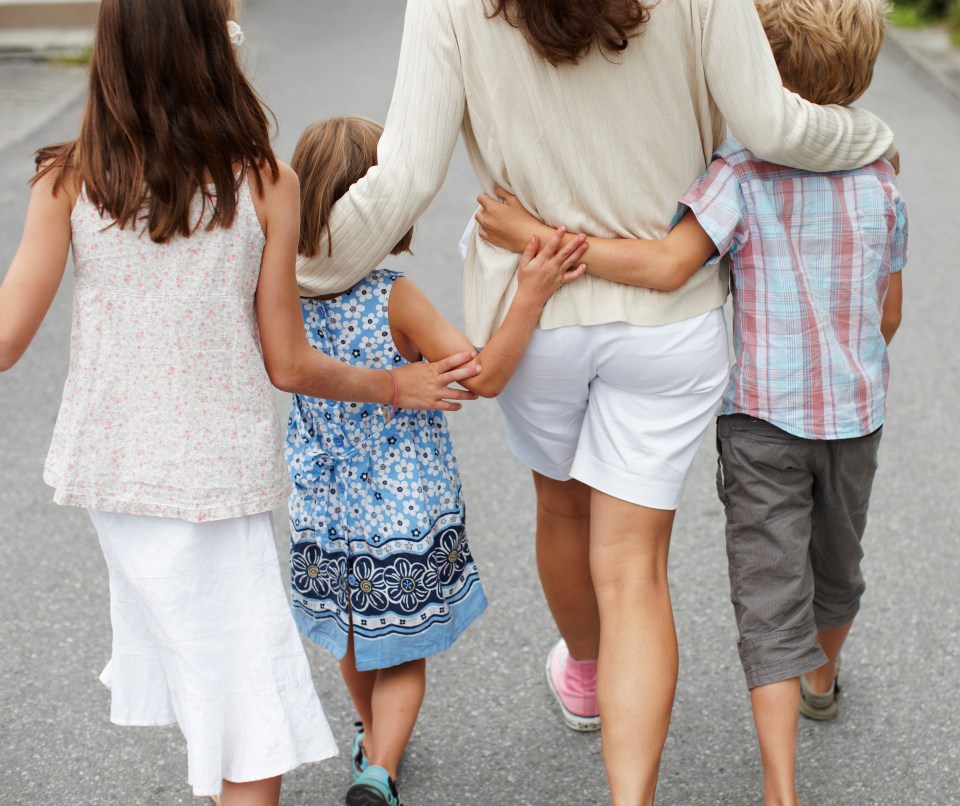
377,514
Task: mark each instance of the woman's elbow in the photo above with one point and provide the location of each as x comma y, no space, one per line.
769,138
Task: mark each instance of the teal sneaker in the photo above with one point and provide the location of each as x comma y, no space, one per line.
373,787
360,760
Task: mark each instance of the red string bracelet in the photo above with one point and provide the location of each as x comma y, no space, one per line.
389,414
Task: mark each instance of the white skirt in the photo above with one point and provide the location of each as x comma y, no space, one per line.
203,636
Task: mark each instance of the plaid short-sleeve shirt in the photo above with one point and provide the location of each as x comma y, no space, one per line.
811,256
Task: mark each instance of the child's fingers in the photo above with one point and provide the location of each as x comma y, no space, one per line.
504,195
573,273
453,363
453,393
552,247
485,200
570,253
445,405
533,246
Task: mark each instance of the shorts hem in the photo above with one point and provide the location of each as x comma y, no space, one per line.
621,483
552,470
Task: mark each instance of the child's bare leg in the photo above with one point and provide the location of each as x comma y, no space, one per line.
265,792
831,642
360,685
776,713
396,701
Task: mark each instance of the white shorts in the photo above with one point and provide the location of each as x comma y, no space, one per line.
621,408
203,636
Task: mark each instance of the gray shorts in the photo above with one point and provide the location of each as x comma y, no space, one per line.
796,511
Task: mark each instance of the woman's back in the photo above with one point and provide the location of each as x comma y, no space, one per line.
589,143
606,146
167,408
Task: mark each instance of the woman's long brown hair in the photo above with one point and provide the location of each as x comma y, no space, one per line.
169,113
564,31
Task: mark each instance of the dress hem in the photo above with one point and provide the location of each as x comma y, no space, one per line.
471,609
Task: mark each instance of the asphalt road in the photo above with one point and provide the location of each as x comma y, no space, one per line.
488,733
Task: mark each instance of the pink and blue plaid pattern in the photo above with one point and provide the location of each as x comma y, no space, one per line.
811,256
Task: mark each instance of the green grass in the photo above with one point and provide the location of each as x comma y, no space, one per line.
907,17
78,57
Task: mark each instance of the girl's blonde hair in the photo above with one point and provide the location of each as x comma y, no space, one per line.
329,157
825,49
169,113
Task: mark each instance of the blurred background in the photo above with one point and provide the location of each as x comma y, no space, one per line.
489,734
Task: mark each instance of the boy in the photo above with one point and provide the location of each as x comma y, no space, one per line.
817,291
815,275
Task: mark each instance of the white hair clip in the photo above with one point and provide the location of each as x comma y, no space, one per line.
235,32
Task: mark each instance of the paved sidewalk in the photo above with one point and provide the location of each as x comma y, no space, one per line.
33,93
38,39
930,51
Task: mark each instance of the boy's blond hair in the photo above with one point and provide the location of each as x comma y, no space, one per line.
825,49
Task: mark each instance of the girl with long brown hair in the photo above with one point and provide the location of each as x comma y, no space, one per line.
599,114
184,230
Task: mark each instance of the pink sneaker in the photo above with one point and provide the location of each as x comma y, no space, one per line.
574,684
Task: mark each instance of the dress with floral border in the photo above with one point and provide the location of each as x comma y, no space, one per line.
377,513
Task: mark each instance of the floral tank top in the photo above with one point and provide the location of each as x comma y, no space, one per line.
167,408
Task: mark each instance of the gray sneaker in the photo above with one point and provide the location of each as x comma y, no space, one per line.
819,706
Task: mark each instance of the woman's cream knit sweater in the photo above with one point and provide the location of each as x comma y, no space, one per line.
606,147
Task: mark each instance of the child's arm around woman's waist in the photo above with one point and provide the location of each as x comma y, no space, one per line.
663,265
419,329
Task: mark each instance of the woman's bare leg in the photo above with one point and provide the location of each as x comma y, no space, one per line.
563,560
637,676
265,792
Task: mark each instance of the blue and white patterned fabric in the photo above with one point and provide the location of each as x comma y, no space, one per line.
377,514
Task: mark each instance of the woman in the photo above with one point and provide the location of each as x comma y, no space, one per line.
599,114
